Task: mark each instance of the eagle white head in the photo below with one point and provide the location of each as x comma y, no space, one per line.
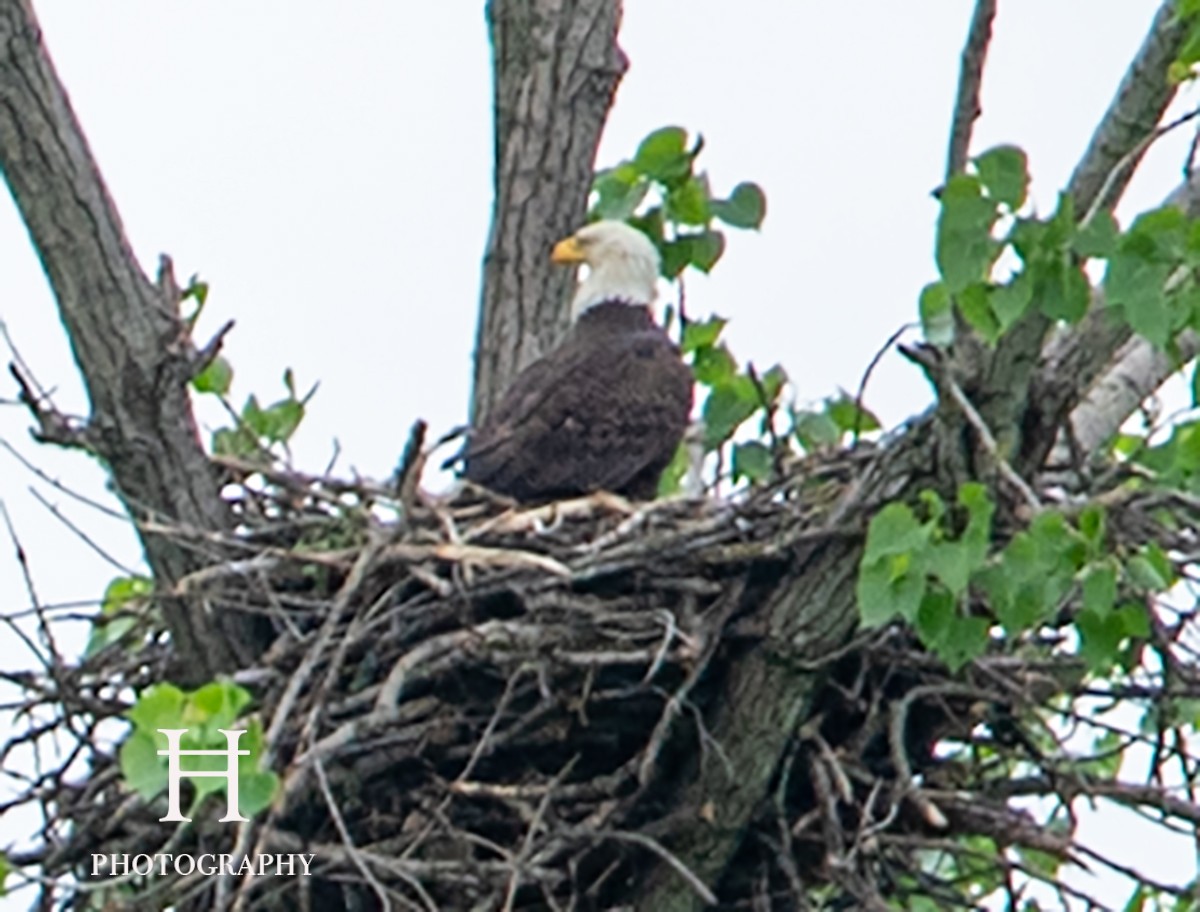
622,265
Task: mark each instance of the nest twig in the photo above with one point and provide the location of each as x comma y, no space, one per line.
476,705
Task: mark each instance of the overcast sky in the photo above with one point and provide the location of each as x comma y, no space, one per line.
329,175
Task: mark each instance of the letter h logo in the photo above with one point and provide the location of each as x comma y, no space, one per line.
231,752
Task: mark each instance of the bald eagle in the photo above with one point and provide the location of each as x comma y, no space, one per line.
607,408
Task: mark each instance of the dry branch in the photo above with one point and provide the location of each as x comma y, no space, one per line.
548,732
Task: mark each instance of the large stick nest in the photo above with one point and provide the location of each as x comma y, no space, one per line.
477,706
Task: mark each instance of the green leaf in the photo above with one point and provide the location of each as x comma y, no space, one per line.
890,587
706,248
1100,637
688,203
955,562
847,415
220,702
699,334
938,612
237,442
894,530
650,223
950,562
752,460
976,309
966,640
256,791
123,590
965,248
671,480
286,417
1061,288
726,407
815,430
1134,620
619,191
119,594
1151,570
978,535
142,768
1092,525
1034,572
663,154
937,315
772,381
675,255
1135,285
196,290
6,868
1010,301
1181,68
216,378
275,424
159,706
254,417
745,208
1098,238
713,365
1156,243
1099,585
1003,171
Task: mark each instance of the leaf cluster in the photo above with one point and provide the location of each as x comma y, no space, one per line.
203,712
257,430
934,568
1148,282
660,192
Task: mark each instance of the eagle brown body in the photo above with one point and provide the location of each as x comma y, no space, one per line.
605,410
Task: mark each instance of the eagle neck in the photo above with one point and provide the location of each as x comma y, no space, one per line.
615,316
611,282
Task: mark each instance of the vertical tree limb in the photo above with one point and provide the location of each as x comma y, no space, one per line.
970,82
126,335
557,66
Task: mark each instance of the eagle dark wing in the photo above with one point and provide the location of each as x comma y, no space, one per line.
601,412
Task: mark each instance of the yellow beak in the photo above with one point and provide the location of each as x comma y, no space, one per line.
567,251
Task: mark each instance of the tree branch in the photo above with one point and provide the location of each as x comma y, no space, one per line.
1111,372
1138,371
557,66
127,338
970,81
1001,384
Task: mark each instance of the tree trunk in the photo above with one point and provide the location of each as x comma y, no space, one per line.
556,69
557,66
128,340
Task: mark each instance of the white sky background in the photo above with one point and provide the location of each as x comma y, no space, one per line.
330,177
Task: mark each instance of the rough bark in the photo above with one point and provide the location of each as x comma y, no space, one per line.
126,335
769,691
556,66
